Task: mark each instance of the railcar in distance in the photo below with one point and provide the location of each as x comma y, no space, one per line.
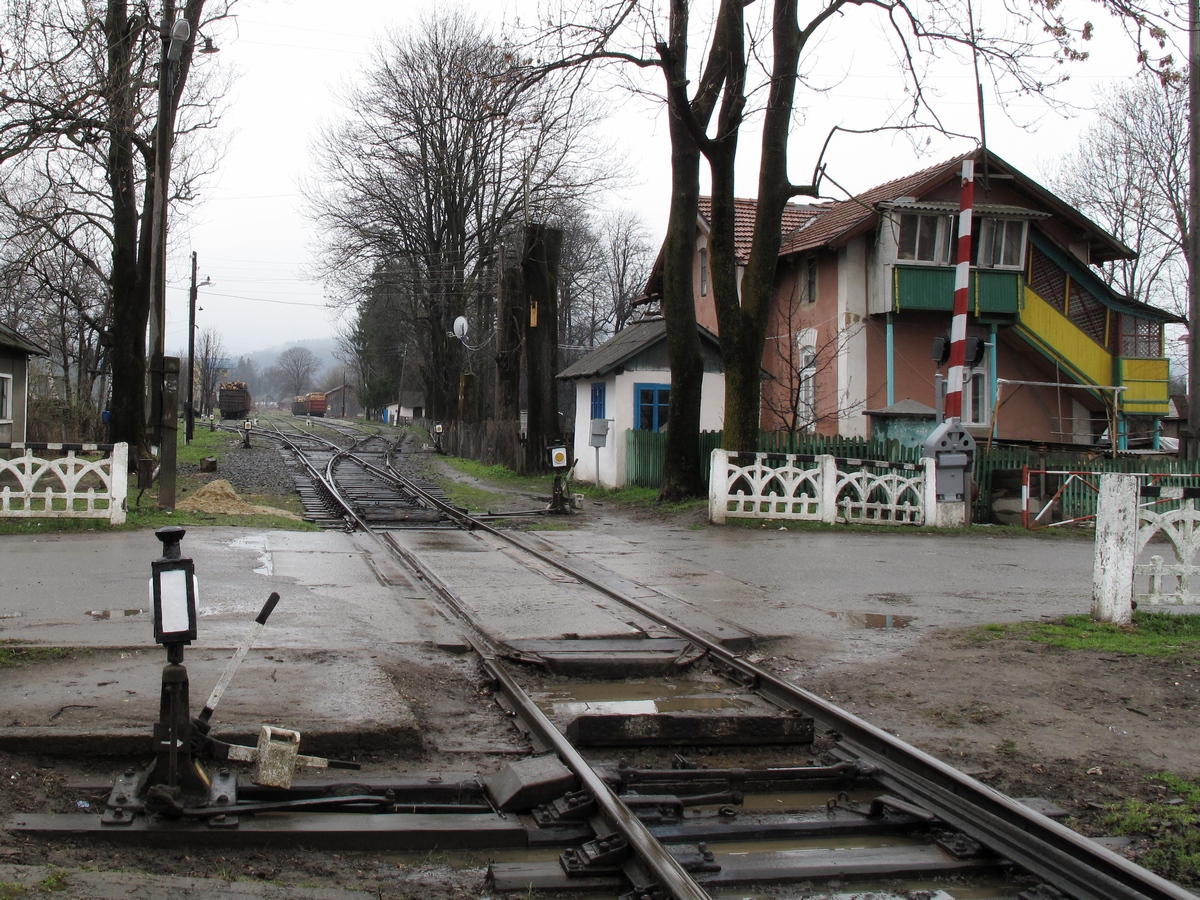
312,404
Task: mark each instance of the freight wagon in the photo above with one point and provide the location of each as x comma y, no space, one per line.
309,405
233,399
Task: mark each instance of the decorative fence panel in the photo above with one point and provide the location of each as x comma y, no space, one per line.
58,483
1169,512
820,488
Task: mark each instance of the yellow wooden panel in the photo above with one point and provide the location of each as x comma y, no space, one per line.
1147,383
1061,336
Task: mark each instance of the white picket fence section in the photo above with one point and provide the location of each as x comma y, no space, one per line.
57,483
820,489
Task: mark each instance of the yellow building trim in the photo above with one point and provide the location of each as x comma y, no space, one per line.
1060,335
1147,386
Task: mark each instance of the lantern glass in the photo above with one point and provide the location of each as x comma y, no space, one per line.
173,597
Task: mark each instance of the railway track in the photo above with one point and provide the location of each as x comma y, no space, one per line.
883,786
661,762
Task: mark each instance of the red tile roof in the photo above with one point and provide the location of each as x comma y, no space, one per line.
847,218
795,215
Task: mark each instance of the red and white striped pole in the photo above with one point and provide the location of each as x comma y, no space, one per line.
962,274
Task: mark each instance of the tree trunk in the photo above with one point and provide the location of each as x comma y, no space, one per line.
510,313
743,319
683,473
130,289
543,249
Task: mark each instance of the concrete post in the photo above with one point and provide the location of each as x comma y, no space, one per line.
718,497
829,489
1116,549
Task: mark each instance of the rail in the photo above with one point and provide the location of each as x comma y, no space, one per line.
1064,859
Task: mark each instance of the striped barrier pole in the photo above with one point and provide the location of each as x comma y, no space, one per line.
962,273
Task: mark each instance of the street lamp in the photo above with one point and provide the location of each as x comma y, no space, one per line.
190,420
174,36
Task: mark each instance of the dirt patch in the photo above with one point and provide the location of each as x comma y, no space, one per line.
218,496
1079,728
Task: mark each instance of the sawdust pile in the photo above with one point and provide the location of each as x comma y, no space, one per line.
218,496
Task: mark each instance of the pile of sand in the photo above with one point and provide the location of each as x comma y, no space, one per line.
219,497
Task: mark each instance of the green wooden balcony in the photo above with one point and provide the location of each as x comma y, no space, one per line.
991,291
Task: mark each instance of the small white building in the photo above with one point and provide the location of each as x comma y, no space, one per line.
625,385
15,351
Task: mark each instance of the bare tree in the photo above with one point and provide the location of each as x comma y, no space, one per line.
803,353
211,367
78,139
444,150
295,368
1130,175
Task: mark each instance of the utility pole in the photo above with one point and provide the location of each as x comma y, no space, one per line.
174,35
190,422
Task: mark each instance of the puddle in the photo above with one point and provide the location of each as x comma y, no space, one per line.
100,614
638,698
257,543
881,621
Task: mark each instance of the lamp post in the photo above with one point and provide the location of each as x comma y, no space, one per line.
175,33
190,421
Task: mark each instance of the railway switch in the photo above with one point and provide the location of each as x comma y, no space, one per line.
176,783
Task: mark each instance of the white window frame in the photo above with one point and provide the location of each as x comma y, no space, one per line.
806,373
942,251
977,379
991,228
6,398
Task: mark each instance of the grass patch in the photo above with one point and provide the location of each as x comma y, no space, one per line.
142,506
1150,634
1172,824
13,656
11,890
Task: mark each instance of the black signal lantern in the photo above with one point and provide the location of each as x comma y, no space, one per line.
941,350
973,349
974,352
173,591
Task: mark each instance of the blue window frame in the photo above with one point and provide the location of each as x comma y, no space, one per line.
598,390
650,402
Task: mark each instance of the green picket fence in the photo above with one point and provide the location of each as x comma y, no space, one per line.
644,451
1078,495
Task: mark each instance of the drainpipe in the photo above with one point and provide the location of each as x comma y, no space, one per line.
891,361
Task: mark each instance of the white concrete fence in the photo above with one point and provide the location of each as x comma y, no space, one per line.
56,483
1129,516
819,489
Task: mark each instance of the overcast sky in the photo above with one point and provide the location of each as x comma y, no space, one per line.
254,242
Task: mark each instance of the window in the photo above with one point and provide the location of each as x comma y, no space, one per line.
806,394
999,242
1141,338
977,395
651,406
703,271
598,390
926,237
6,412
808,279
